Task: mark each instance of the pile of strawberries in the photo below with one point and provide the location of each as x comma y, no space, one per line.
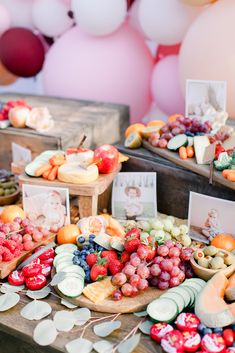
9,249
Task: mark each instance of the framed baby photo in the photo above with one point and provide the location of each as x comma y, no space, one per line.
209,216
204,97
46,207
134,196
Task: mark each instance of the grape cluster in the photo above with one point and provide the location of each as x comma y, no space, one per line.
80,255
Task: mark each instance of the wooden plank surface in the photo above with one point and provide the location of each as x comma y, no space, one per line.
190,164
97,187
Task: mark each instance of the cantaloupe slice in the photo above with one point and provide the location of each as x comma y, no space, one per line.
210,306
230,290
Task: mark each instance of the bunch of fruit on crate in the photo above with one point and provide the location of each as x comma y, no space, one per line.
6,108
34,275
8,184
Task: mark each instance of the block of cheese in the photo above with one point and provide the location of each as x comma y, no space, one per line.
100,290
81,157
200,145
76,174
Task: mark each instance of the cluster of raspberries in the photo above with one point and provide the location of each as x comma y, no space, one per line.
9,249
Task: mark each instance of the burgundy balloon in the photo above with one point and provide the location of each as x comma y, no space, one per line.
129,3
21,52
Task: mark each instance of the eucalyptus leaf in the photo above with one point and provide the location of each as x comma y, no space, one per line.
81,316
59,277
8,300
145,327
36,310
68,304
45,333
80,345
7,288
38,294
106,328
64,320
141,314
130,344
103,346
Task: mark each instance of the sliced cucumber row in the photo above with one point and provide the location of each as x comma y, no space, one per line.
178,141
175,300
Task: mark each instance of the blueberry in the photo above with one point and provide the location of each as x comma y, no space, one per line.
218,330
206,331
83,252
233,345
201,327
76,261
87,278
86,247
188,133
232,326
91,238
81,240
100,248
76,252
86,267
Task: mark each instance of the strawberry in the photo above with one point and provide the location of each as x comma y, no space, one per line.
131,244
152,253
91,259
125,257
115,266
98,271
109,255
133,233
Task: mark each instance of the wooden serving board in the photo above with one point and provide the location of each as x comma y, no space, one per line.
190,164
125,305
7,267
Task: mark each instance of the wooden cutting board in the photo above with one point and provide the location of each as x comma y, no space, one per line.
7,267
190,164
125,305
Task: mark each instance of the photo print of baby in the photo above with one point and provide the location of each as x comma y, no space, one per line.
134,196
46,207
209,216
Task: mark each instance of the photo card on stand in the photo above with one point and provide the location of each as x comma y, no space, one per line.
134,196
209,216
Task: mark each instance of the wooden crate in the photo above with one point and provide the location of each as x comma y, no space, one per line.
174,183
100,122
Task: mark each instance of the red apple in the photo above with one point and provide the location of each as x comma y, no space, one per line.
106,157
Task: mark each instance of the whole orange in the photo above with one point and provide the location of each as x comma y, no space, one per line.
9,213
134,128
224,241
68,234
158,123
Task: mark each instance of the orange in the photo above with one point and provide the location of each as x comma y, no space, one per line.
173,117
11,212
158,123
134,128
68,234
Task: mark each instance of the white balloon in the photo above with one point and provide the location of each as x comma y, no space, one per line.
20,12
51,18
99,17
166,21
5,19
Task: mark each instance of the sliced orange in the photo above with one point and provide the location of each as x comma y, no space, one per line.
146,133
158,123
173,117
133,140
134,128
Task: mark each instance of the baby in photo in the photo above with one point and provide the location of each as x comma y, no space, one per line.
133,207
53,212
212,225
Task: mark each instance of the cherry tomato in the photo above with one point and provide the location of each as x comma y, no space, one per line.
46,270
228,336
16,278
32,270
48,254
36,282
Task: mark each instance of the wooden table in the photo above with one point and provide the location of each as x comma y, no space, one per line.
16,332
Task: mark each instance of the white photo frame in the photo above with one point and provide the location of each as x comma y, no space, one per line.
134,196
209,216
202,95
46,206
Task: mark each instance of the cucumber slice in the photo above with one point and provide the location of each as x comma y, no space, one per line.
184,294
62,256
197,280
62,265
66,248
193,285
73,274
190,141
163,310
192,295
177,298
74,269
71,287
176,142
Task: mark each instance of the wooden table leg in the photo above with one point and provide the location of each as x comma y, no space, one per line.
87,205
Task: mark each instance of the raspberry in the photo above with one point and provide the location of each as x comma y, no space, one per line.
17,252
10,244
19,246
1,241
2,249
7,255
0,258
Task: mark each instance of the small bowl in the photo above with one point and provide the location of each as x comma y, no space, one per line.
207,273
10,199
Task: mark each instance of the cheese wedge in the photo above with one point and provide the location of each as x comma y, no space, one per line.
81,157
74,173
200,145
100,290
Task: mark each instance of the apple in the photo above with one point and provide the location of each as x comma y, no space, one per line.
18,116
106,158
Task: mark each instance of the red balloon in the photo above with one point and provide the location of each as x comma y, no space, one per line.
21,52
129,3
165,50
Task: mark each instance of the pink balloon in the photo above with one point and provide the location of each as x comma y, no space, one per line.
115,68
166,87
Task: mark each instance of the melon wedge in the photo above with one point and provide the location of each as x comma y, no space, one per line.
210,306
230,290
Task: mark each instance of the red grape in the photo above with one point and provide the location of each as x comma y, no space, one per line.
181,276
14,227
162,250
182,129
186,254
174,282
28,245
163,285
129,270
175,271
164,276
189,273
166,265
135,261
187,122
158,259
174,252
27,237
176,131
134,291
134,280
5,228
174,124
175,261
126,290
155,270
143,271
178,245
30,229
37,236
169,243
183,267
154,281
18,220
167,136
154,142
164,129
162,143
181,119
143,284
142,252
117,295
119,279
25,222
